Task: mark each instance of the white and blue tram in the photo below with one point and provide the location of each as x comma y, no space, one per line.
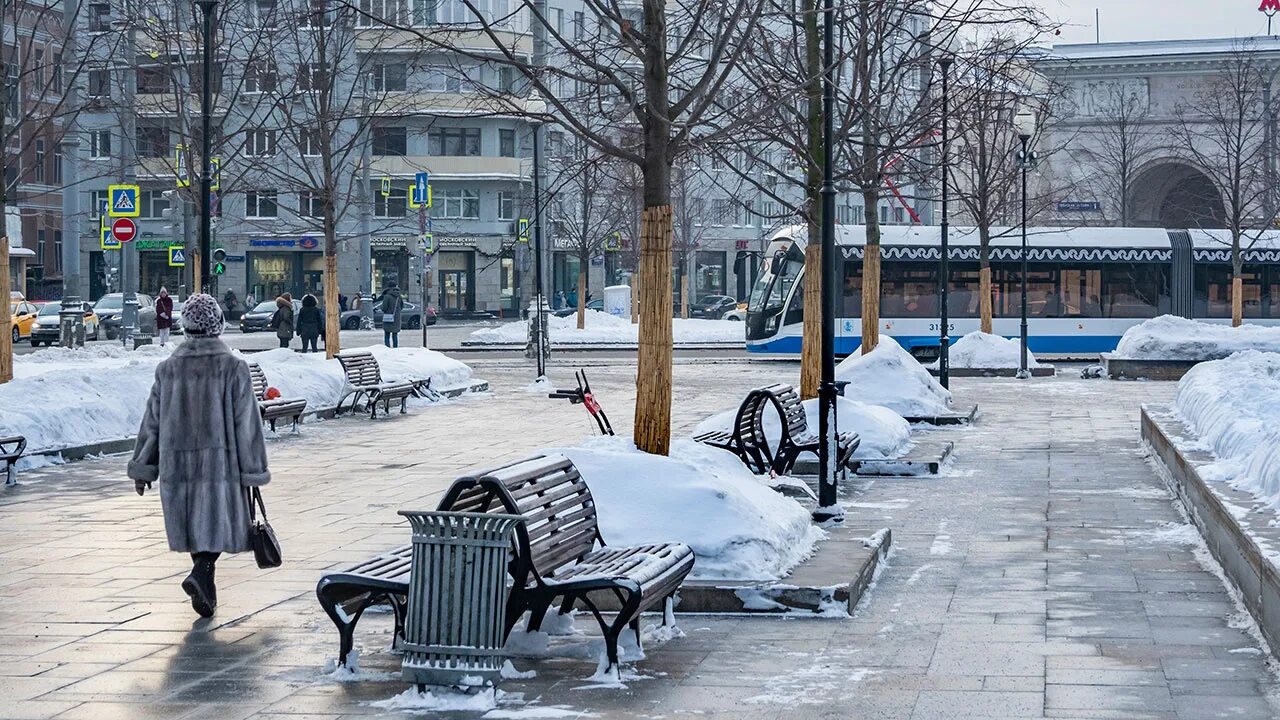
1085,286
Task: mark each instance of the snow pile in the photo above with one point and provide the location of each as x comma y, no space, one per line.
604,328
986,351
888,376
883,433
1169,337
1234,406
63,397
739,528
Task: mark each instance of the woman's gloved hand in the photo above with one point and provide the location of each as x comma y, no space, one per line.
141,486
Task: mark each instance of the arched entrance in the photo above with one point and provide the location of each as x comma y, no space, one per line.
1174,194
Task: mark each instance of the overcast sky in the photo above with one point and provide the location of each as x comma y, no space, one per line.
1158,19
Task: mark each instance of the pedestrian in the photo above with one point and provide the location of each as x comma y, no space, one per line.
310,323
204,461
391,307
282,320
229,302
572,299
164,316
559,300
342,302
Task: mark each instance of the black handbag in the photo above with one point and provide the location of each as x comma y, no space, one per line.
262,539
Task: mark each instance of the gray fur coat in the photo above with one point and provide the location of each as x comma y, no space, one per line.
201,437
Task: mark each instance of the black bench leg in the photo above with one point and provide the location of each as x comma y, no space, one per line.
347,627
400,607
537,612
272,422
373,407
626,615
514,610
404,404
296,419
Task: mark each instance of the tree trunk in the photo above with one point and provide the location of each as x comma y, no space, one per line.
984,296
332,342
871,275
1237,299
684,291
635,296
653,374
197,268
811,343
6,338
582,294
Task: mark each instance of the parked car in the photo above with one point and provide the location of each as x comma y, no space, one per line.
592,304
738,314
258,318
177,317
47,327
411,317
711,307
22,315
110,308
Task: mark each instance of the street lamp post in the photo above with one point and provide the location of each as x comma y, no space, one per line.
539,318
944,270
828,505
201,274
1025,122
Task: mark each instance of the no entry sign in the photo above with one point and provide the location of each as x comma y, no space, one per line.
124,229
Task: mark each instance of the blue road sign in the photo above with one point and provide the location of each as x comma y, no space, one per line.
108,242
124,201
177,256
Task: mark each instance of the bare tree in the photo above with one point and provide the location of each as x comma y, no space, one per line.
1223,133
1123,140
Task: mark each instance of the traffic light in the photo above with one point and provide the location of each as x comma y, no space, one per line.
219,261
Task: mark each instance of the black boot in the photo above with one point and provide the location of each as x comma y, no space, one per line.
199,584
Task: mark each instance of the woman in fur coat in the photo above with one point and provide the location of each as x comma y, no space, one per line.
201,438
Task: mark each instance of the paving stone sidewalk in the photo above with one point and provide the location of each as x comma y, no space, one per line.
1047,575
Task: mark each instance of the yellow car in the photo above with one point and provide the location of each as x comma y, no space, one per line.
22,315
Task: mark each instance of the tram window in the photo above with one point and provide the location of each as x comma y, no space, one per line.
964,300
1213,292
908,290
1042,290
852,297
1134,290
1081,292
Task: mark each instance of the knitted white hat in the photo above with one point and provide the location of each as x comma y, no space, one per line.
201,316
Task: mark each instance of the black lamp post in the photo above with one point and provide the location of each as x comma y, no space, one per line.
944,270
828,505
207,7
1026,122
539,316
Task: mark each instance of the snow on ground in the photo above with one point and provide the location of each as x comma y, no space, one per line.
986,351
1169,337
738,527
890,377
1234,406
63,397
883,432
606,328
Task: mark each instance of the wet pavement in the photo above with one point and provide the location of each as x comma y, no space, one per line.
1046,574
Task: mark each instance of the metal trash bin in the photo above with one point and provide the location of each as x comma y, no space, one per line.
453,633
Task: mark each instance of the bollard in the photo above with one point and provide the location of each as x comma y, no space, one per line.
455,623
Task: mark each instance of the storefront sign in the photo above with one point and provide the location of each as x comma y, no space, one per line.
391,241
1079,206
153,244
272,243
306,242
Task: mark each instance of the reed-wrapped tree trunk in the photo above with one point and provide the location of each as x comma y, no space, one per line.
871,275
985,310
811,344
1237,300
653,377
582,294
811,341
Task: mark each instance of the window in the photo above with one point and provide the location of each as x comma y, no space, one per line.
99,83
40,246
57,250
152,80
260,77
310,142
317,14
55,76
99,17
152,204
57,165
97,201
459,204
153,141
579,25
312,76
100,144
394,12
557,15
507,143
390,141
389,77
722,211
555,143
37,70
40,161
311,204
262,14
13,91
454,141
506,205
394,205
261,204
260,143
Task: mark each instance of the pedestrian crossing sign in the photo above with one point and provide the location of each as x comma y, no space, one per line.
124,201
177,256
108,242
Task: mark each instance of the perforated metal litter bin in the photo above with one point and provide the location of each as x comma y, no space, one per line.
457,598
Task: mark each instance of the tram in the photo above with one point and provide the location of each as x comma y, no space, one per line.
1085,285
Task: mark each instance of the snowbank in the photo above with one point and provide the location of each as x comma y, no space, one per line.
985,351
883,432
888,376
1169,337
739,527
62,397
606,328
1234,406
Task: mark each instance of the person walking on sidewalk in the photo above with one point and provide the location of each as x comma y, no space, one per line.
310,323
391,307
164,316
204,461
282,320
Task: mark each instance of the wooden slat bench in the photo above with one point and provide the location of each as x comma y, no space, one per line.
746,439
555,559
11,449
365,379
272,410
796,437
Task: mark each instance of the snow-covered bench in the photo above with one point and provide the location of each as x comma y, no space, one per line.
746,439
11,449
555,558
365,379
273,409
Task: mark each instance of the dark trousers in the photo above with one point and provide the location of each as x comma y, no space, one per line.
284,342
309,342
390,338
210,556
